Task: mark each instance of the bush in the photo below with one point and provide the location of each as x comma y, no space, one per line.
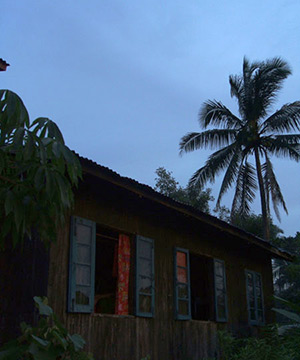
269,346
49,340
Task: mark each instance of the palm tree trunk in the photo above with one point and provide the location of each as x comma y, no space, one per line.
265,215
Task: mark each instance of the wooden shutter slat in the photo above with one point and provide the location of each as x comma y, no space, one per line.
139,276
177,299
223,289
89,241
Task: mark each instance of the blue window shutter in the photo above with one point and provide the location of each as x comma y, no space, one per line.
250,297
144,277
259,299
82,265
255,300
221,307
182,287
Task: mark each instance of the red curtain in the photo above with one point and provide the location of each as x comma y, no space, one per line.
123,275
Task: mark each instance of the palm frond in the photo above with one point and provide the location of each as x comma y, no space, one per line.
248,71
291,139
230,175
207,139
245,190
216,163
273,187
215,113
267,81
285,119
283,146
237,91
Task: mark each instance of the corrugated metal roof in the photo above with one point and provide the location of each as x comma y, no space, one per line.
149,192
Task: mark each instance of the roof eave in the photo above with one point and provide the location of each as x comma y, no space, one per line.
145,191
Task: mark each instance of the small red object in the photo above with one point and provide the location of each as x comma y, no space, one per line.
3,65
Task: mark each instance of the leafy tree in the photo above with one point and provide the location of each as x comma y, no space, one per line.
37,173
288,282
254,225
190,195
222,213
254,134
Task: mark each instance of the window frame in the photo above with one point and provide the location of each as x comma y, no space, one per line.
179,316
72,306
255,275
218,318
138,242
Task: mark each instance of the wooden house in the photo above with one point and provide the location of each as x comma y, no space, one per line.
137,273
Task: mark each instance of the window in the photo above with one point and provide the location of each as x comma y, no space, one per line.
200,282
202,287
144,277
220,290
109,271
82,265
254,298
182,284
99,269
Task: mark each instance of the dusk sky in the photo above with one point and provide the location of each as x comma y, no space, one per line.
124,80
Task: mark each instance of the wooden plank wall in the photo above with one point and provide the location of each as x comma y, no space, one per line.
23,275
112,337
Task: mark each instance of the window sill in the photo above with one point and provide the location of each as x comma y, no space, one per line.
113,316
203,321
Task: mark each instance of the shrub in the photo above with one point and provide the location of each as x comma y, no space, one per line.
49,340
269,346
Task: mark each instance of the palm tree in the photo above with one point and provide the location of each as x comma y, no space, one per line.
253,135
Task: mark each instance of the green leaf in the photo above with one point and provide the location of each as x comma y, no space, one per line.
46,141
9,202
38,124
49,182
44,309
63,331
290,315
77,341
60,339
18,214
56,149
42,342
24,327
19,137
29,147
63,188
11,105
39,178
54,132
43,153
288,303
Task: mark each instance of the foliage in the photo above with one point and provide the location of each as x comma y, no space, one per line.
269,346
291,325
49,340
252,135
288,284
190,195
37,173
223,213
254,225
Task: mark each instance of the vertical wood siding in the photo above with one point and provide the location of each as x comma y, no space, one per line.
112,337
23,275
